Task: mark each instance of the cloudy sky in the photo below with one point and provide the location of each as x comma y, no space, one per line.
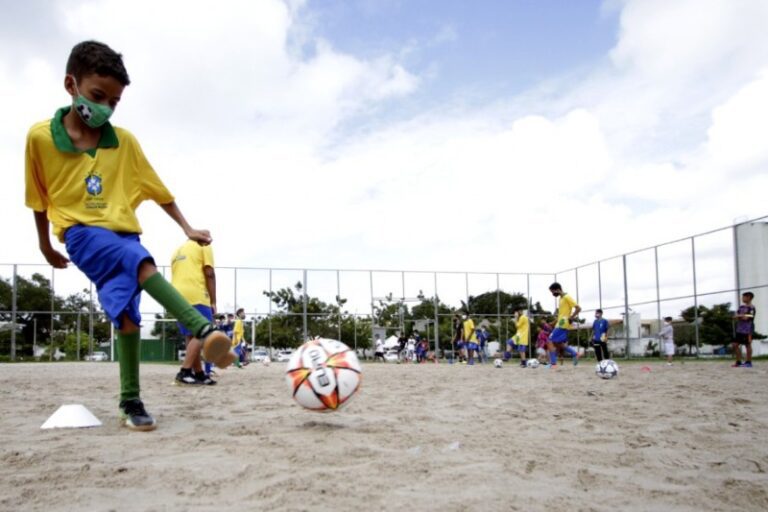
389,134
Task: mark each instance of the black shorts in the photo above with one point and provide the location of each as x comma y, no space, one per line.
743,339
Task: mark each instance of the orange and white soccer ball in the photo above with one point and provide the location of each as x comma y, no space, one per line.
323,375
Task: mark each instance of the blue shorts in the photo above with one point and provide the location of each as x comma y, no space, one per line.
460,345
521,348
205,311
559,335
471,346
111,261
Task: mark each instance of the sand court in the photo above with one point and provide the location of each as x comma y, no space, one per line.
419,437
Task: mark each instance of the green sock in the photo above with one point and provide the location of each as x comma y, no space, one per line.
165,294
128,350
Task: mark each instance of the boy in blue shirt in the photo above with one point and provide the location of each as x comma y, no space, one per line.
600,336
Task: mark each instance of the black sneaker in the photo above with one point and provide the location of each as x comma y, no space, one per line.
186,377
204,379
135,417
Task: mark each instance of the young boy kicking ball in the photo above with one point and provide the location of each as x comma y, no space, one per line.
567,312
87,177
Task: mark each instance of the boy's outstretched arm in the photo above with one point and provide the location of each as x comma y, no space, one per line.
52,256
201,236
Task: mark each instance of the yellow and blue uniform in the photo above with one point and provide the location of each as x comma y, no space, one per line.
90,198
100,187
523,331
187,266
238,333
470,337
565,308
188,277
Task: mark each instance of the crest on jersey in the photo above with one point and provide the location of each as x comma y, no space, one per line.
93,184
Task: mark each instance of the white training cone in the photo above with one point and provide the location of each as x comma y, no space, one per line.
72,416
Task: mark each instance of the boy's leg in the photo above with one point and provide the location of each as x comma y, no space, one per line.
571,352
128,352
186,374
598,351
216,344
552,353
737,353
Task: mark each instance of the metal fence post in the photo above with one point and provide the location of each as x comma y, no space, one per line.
498,308
578,325
373,310
90,321
737,279
14,326
626,307
695,296
53,300
79,315
338,300
437,320
658,294
599,285
269,315
304,312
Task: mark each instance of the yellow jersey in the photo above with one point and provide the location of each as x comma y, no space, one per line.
469,331
523,329
238,333
100,187
187,274
564,311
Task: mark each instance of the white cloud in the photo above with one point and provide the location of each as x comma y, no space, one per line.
737,133
244,126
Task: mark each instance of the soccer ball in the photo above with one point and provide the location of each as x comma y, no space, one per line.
498,363
266,361
532,363
607,369
323,375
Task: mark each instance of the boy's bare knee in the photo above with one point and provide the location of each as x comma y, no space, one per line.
146,270
127,326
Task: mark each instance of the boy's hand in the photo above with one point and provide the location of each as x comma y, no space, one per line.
201,236
55,258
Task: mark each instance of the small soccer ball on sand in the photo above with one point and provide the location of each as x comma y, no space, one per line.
532,363
266,361
323,375
498,363
607,369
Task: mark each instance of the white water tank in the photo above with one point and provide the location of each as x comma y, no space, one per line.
751,250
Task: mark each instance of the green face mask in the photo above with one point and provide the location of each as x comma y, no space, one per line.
92,114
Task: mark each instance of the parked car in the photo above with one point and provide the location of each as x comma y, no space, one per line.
259,355
96,356
284,355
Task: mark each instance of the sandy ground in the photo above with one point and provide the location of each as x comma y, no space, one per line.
438,437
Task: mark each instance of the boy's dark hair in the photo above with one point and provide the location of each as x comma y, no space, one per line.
241,310
599,311
93,57
555,286
748,294
667,318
